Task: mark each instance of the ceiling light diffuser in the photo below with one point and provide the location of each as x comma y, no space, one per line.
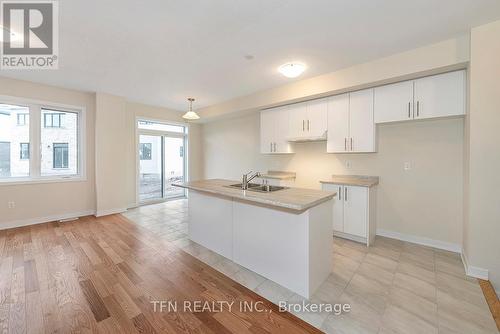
292,70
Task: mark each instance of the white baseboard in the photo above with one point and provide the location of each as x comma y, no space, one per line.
473,271
41,220
101,213
421,240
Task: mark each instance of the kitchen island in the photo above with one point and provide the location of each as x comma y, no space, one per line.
285,235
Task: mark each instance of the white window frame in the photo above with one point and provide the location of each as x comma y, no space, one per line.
35,124
138,132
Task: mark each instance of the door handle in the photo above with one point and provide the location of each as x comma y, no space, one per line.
345,194
409,106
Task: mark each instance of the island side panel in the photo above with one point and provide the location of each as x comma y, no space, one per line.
320,244
273,243
211,222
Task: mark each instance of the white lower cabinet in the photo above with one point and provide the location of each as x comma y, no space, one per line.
353,212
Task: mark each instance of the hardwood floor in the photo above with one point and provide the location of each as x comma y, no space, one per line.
492,299
101,274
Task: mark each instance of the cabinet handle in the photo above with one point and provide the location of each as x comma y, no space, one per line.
274,147
345,144
340,193
409,106
418,108
271,149
345,194
351,143
308,125
303,125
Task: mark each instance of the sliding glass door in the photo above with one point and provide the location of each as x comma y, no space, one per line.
162,160
150,168
174,165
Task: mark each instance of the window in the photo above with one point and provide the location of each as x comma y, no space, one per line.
53,120
149,125
60,159
24,151
59,144
11,137
145,151
22,119
39,142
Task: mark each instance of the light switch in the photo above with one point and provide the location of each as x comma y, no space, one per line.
348,164
407,165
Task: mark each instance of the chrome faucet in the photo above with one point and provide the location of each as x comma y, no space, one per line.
247,178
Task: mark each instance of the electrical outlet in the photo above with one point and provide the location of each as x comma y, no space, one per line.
407,166
11,205
348,164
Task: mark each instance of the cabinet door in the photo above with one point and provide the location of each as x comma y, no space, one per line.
338,123
267,129
317,115
394,102
281,120
440,95
355,210
361,125
338,206
297,121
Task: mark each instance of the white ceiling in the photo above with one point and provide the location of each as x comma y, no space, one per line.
160,52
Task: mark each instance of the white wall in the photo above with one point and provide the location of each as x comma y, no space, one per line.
111,152
425,201
482,205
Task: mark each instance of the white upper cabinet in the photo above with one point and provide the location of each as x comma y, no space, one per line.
338,123
361,125
350,123
439,95
274,131
297,120
317,116
394,103
308,120
267,131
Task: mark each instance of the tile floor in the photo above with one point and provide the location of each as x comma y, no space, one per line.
392,287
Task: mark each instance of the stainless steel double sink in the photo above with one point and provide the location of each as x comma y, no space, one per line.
261,188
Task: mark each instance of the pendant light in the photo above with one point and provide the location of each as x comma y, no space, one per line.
190,115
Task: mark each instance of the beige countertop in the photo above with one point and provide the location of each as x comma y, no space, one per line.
353,180
279,175
294,199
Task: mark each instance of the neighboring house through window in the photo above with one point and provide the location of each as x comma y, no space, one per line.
53,120
24,151
22,119
145,151
60,159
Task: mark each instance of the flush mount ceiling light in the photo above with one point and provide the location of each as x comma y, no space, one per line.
190,115
292,70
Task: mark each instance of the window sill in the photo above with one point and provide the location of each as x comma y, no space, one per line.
41,180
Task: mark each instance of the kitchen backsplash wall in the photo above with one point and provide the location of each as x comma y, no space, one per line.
424,200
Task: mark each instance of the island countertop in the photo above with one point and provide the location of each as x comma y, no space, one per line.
295,199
